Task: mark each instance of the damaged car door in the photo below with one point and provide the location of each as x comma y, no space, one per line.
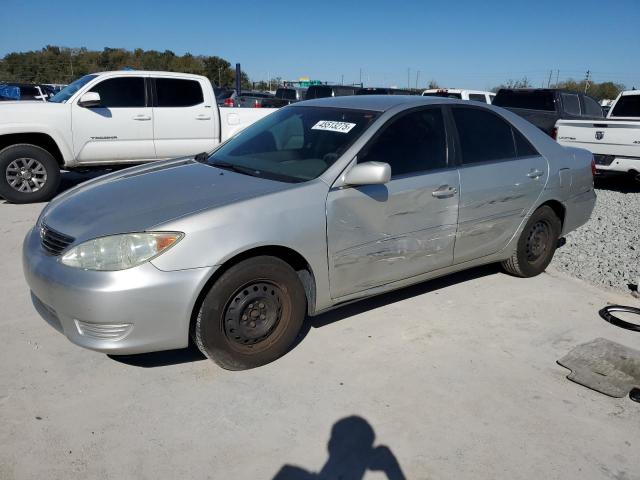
382,233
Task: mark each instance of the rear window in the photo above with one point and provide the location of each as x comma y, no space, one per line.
627,106
176,92
478,97
319,92
286,93
571,103
222,93
532,100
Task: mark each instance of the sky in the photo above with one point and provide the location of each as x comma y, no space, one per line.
468,44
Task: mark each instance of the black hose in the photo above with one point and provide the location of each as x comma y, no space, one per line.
606,314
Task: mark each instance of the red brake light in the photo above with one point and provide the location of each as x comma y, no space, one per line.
228,102
593,166
256,104
554,133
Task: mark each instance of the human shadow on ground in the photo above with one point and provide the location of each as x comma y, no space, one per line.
352,453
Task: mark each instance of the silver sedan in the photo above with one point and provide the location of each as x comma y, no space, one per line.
320,203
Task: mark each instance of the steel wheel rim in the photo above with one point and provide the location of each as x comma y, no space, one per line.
26,175
253,313
538,241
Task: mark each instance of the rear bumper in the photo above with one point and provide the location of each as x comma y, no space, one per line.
138,310
578,210
611,163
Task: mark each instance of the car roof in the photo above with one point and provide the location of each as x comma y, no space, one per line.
377,103
149,72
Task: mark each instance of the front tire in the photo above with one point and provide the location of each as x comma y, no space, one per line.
28,174
536,245
251,315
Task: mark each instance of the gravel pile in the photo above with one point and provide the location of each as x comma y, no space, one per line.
606,251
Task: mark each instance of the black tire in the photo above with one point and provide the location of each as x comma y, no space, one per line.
28,174
251,315
536,245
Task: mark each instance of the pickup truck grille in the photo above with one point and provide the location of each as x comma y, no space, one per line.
603,159
54,242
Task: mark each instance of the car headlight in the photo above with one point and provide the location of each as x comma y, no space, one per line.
119,252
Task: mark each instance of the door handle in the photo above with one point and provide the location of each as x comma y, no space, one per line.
142,117
203,117
535,173
445,191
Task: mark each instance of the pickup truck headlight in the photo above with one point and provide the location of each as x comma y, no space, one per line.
119,252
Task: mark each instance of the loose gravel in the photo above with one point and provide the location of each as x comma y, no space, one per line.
606,251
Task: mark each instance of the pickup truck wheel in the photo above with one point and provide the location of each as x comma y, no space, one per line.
251,315
536,245
28,174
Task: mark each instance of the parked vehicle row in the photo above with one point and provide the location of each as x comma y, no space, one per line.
319,203
461,94
110,119
614,140
543,107
25,91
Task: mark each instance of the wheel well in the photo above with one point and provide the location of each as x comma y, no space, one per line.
293,258
41,140
558,208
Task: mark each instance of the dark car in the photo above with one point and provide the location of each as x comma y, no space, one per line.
285,96
545,106
225,97
324,91
383,91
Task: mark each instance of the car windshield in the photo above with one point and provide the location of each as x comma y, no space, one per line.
294,144
286,93
67,92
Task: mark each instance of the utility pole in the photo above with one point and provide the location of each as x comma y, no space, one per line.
557,77
587,80
408,77
549,81
417,78
219,81
342,79
361,76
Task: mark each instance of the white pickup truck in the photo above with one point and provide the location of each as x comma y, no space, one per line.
110,119
614,140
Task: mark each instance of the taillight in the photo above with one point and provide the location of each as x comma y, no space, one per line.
228,102
554,133
593,166
256,104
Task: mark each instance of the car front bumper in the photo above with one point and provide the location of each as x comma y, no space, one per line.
138,310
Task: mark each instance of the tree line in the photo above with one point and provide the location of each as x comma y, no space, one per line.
63,65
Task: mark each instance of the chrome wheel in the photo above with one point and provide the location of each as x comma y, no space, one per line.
26,175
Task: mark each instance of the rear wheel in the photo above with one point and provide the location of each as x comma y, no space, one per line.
251,315
536,245
28,174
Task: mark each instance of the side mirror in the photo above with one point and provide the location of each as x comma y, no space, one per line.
368,173
90,100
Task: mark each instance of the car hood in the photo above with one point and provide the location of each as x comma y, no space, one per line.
137,199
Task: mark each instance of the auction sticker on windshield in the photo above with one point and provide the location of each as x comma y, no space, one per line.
331,126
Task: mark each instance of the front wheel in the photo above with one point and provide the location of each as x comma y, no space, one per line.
251,315
536,245
28,174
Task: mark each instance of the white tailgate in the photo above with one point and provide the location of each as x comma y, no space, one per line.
233,120
605,137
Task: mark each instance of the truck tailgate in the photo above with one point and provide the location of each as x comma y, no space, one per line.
602,137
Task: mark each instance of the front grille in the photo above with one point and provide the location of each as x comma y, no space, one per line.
603,159
52,241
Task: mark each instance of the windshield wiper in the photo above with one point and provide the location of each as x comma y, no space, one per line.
236,168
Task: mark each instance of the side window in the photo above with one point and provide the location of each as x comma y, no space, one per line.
478,97
415,142
175,92
571,103
123,92
523,147
591,107
484,136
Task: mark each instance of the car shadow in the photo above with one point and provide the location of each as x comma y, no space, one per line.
69,179
352,453
192,354
617,183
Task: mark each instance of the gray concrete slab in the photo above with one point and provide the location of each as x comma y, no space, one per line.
457,377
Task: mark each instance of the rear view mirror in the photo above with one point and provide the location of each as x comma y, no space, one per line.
368,173
89,100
